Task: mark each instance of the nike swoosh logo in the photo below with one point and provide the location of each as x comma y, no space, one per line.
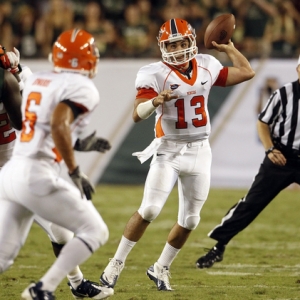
96,287
203,82
33,294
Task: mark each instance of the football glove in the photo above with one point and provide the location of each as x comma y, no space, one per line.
82,182
92,143
10,60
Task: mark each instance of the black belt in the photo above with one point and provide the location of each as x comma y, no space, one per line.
287,151
296,153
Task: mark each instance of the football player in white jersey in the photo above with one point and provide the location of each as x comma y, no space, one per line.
177,88
55,104
59,236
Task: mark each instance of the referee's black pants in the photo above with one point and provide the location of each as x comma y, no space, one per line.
270,180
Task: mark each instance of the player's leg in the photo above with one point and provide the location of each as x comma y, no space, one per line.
159,183
15,219
16,222
59,236
64,207
193,188
159,187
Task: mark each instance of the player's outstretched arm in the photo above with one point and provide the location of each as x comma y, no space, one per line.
241,70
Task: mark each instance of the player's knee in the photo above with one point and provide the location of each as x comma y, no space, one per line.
191,222
104,235
96,236
149,213
100,235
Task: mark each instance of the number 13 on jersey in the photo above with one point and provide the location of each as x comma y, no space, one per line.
198,103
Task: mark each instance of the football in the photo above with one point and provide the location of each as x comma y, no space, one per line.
219,30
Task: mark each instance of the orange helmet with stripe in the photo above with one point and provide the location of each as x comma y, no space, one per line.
176,30
75,51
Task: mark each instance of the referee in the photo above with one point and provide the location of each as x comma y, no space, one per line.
278,128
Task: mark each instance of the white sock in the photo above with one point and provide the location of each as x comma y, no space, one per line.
75,277
168,255
124,249
73,254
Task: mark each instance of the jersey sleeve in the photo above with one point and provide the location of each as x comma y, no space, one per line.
146,78
146,93
222,78
83,94
212,65
271,109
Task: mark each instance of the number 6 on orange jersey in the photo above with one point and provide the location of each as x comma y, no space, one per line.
30,117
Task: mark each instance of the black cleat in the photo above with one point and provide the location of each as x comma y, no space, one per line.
92,290
34,292
213,255
160,275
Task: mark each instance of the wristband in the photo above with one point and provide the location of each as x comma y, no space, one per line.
145,109
75,171
270,150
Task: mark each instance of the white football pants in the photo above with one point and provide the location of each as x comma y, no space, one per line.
190,164
31,187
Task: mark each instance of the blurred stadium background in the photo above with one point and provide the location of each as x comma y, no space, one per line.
125,32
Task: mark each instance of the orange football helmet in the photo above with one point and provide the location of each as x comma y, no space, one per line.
176,30
75,51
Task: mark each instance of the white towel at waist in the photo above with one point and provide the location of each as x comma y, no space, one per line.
182,147
149,151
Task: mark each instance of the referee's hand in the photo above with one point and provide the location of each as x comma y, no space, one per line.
277,157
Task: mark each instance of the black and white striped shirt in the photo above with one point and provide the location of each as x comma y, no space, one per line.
282,114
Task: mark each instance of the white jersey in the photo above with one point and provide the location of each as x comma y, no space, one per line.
185,118
42,92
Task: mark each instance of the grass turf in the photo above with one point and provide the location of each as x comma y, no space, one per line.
262,262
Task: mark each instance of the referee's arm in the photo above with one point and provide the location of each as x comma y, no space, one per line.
264,134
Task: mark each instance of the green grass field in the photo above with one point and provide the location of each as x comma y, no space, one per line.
262,262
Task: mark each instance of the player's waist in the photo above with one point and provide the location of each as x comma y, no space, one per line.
43,160
195,143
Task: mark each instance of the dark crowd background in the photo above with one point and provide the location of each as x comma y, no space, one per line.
128,28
